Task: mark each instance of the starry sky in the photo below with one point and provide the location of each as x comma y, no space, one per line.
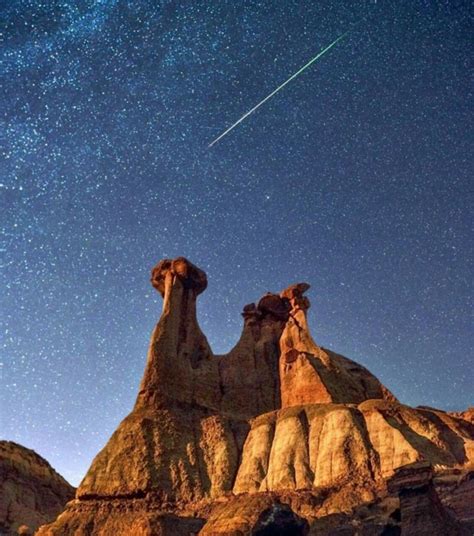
354,178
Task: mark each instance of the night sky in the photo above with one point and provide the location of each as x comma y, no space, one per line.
354,178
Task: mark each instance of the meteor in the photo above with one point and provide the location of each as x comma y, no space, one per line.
292,77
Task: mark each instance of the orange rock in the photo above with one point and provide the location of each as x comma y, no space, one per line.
310,374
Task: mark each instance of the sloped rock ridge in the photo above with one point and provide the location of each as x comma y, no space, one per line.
279,436
31,491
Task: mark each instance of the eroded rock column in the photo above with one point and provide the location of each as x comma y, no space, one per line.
249,373
309,374
180,365
300,381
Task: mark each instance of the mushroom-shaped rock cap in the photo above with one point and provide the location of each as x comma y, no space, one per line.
273,305
295,291
250,311
295,295
190,276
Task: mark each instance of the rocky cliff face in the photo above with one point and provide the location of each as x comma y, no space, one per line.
278,433
31,492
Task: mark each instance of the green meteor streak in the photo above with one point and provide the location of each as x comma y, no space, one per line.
293,76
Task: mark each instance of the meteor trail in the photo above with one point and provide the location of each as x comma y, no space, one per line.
279,87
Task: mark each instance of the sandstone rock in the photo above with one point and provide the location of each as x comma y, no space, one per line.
310,374
249,380
402,435
304,447
456,490
31,491
180,365
182,455
260,514
467,415
319,445
280,519
277,435
422,513
191,277
124,517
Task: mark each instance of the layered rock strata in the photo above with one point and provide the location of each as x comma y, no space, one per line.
226,444
31,491
422,512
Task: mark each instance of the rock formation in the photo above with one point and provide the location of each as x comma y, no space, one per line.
311,375
467,415
422,512
279,436
31,492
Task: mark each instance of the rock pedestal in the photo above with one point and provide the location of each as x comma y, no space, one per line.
279,430
310,374
422,513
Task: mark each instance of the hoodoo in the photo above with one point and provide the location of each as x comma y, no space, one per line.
279,436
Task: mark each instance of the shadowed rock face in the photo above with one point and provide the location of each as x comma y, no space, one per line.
248,374
31,492
422,512
280,519
215,442
190,276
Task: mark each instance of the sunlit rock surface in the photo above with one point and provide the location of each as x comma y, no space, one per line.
277,435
